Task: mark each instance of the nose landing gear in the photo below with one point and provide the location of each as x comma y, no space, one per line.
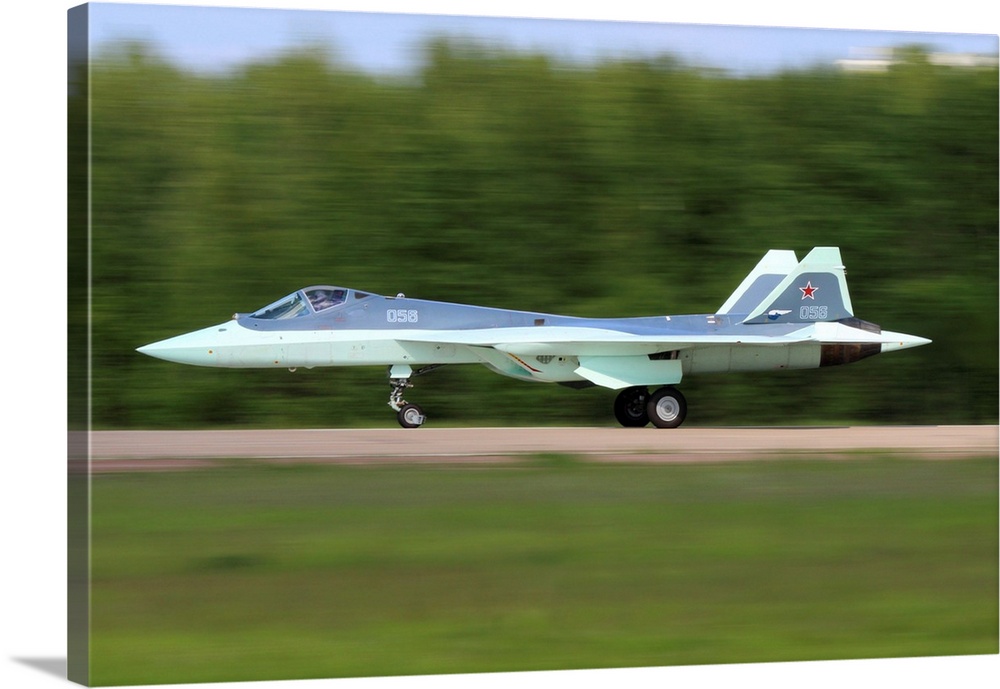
408,414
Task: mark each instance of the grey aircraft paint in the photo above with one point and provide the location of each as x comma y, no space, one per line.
785,314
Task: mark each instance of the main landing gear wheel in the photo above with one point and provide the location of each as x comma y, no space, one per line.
666,408
411,416
630,407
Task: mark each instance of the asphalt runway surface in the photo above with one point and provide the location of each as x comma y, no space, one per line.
172,450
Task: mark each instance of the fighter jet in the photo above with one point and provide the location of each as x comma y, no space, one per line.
785,314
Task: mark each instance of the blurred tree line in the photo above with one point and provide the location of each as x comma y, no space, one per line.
505,179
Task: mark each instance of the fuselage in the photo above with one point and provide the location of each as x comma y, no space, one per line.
365,329
785,314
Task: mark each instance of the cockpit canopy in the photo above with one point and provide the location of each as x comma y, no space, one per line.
306,302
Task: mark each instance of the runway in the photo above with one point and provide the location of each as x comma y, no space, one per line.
166,450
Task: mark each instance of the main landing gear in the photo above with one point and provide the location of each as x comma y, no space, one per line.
665,408
408,414
634,407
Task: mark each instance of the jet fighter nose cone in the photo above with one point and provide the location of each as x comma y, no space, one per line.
158,350
199,348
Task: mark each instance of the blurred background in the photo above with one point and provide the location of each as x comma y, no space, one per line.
481,166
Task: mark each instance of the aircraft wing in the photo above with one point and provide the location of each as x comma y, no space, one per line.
574,341
608,358
616,359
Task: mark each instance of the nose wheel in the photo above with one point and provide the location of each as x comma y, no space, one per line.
411,416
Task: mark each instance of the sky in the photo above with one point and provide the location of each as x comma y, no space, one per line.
216,39
33,517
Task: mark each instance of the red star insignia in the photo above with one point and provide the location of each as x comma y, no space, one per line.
808,290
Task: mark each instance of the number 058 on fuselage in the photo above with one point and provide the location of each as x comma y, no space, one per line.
786,314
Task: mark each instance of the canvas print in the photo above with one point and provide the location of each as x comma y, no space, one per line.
739,285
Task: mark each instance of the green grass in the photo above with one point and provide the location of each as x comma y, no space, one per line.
263,572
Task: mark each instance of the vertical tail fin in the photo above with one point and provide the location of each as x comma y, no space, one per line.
815,290
776,264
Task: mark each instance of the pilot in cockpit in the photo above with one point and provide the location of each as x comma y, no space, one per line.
324,298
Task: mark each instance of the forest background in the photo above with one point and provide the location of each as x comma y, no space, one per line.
506,179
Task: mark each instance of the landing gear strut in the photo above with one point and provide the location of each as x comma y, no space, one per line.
408,414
